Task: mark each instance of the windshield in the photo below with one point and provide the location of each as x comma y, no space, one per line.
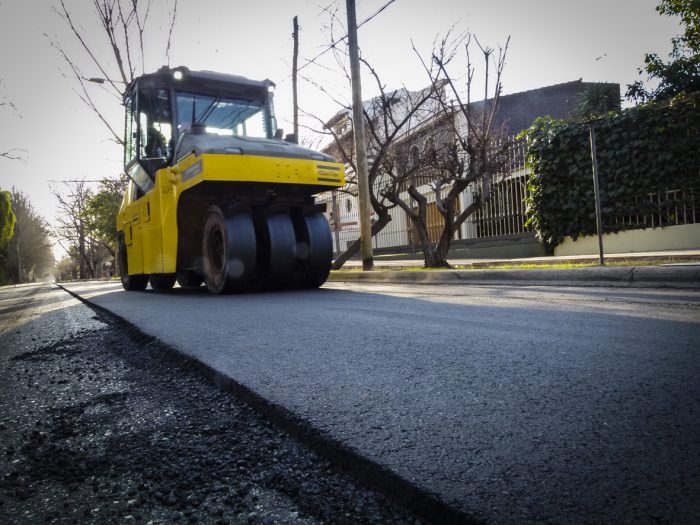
223,116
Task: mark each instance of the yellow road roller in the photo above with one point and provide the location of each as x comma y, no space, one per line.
215,194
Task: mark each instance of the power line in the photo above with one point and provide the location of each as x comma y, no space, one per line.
81,180
342,39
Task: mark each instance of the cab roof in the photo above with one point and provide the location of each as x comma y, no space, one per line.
204,82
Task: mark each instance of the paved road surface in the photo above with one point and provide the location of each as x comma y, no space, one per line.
512,404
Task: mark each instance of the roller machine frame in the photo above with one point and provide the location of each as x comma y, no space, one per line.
215,194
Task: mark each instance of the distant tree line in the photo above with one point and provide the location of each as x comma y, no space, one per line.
86,227
25,240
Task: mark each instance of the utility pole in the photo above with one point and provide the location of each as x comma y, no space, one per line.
336,221
596,196
360,143
295,58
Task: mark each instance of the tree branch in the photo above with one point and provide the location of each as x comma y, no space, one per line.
11,155
85,96
170,33
69,20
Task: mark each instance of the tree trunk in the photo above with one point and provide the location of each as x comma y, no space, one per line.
81,252
425,244
442,248
19,263
109,247
448,232
355,246
440,255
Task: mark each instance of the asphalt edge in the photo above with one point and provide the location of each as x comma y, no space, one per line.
364,471
617,276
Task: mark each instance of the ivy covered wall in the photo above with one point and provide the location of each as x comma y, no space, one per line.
644,150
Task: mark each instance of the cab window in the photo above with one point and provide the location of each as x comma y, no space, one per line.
223,115
131,133
155,129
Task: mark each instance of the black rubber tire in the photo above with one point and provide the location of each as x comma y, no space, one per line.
314,250
277,249
229,250
162,281
189,279
131,283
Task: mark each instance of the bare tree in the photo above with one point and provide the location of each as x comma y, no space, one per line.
72,228
469,150
388,116
123,24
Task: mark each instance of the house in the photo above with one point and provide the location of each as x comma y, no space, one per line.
498,228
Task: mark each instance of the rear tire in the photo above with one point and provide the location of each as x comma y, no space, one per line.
162,281
229,250
276,242
314,250
131,283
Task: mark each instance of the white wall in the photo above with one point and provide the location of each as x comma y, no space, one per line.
682,237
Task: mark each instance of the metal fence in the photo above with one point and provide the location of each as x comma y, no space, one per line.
503,211
662,208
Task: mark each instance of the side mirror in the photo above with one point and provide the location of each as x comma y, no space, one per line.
279,133
291,137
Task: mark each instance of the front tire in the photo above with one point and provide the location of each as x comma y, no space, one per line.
131,283
229,250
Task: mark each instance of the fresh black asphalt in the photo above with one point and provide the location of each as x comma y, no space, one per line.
511,405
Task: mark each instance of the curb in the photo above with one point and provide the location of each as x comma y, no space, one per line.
619,276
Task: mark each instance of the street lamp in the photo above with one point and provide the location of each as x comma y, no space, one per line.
98,80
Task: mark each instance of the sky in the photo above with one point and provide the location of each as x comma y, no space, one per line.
59,138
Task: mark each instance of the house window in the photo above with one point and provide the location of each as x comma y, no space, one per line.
415,156
429,148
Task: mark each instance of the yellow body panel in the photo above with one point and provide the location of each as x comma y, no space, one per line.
149,224
248,168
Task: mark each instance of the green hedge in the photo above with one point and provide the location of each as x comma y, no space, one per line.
639,150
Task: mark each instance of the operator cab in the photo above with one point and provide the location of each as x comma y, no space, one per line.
175,112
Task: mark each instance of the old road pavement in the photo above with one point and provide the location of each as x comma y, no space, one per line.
508,404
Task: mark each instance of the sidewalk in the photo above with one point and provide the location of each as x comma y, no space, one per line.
672,269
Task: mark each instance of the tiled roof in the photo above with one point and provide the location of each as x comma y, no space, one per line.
518,111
